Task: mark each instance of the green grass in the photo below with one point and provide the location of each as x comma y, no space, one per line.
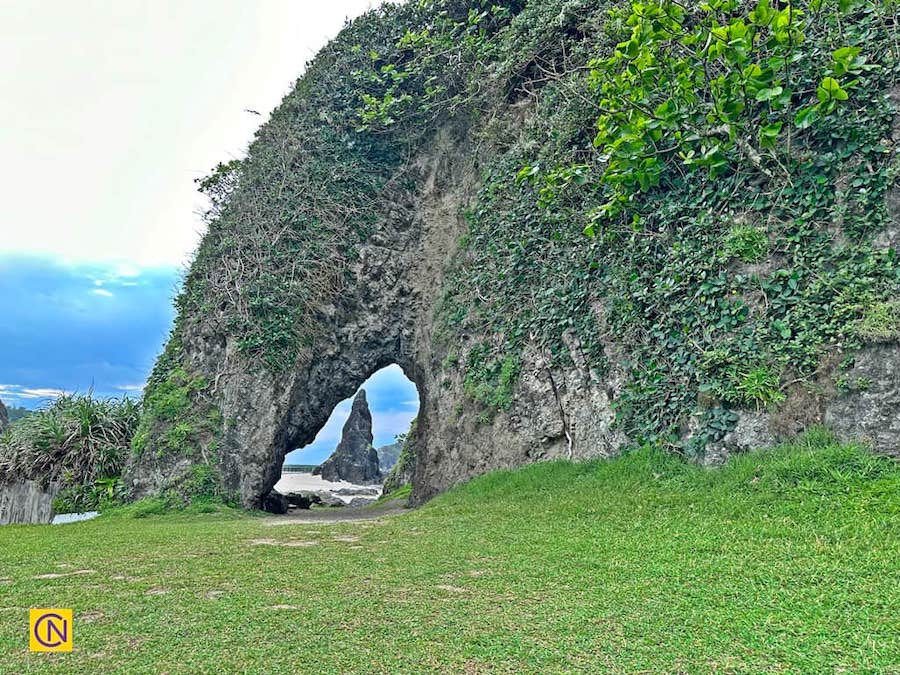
880,323
784,561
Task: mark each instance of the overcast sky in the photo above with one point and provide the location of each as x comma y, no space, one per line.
111,108
109,111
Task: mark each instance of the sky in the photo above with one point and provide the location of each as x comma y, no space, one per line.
67,327
111,108
109,112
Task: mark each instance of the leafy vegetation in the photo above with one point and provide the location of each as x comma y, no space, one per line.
880,322
781,561
172,401
181,418
401,474
746,242
78,441
685,195
728,162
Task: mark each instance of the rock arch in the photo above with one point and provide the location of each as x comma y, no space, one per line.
310,173
383,316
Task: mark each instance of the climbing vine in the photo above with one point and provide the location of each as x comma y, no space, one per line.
685,194
731,167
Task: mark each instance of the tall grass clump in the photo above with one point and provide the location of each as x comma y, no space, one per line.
78,441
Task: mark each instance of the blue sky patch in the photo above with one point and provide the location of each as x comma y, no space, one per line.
80,327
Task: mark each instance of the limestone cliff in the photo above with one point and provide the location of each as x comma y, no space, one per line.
354,460
474,191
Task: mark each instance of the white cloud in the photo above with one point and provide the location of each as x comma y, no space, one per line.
136,388
43,393
391,422
127,270
16,393
103,292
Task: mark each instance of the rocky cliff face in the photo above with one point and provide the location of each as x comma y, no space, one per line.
388,456
354,460
4,417
733,301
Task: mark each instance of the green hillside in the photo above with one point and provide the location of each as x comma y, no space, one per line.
783,561
694,194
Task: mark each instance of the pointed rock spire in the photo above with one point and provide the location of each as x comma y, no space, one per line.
354,460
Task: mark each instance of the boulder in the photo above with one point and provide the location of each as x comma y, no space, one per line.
354,460
305,499
299,500
275,502
360,491
358,502
329,499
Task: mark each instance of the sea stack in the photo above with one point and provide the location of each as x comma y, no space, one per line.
355,459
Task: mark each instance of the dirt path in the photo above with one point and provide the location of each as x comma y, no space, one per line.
339,515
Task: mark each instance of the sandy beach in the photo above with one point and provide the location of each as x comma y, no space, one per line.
297,482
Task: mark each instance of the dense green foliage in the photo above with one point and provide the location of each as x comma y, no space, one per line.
78,441
728,163
780,562
684,193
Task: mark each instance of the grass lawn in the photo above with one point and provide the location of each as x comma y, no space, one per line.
783,561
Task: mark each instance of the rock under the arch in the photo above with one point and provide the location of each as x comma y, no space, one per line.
355,459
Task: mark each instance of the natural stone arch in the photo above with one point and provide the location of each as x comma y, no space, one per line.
388,313
384,212
384,315
385,207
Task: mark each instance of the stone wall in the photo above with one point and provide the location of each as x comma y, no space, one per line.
26,503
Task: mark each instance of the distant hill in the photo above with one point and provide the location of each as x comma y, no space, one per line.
298,468
388,456
17,413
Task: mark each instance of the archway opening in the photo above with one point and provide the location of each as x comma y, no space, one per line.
339,468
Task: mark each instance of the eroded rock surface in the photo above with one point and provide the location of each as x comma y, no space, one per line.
385,311
4,417
870,411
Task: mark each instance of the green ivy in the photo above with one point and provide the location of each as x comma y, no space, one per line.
730,201
728,160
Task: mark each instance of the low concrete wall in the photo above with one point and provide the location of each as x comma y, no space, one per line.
26,503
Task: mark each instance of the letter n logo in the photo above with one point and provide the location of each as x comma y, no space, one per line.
50,630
